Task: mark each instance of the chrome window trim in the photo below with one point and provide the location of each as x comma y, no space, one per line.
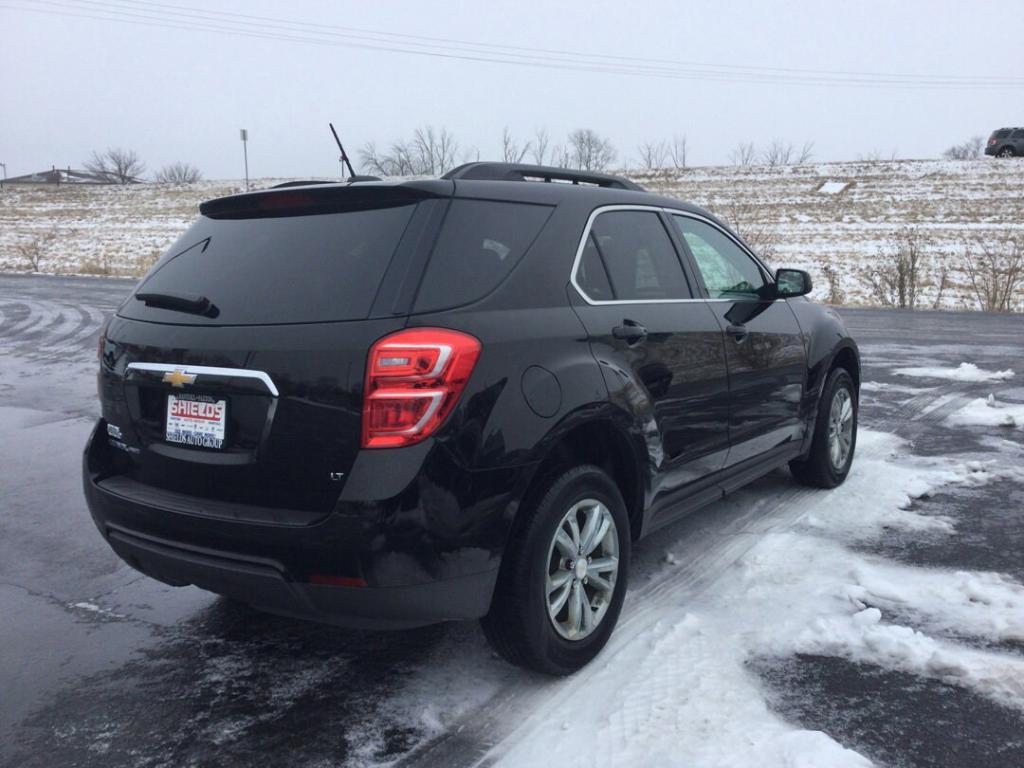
655,209
234,373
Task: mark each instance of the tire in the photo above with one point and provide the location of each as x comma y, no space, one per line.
518,625
1007,152
820,468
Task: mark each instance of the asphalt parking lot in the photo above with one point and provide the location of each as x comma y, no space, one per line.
102,666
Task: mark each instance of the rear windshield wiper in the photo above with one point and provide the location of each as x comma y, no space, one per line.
179,302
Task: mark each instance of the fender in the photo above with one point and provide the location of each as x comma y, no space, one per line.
825,339
593,424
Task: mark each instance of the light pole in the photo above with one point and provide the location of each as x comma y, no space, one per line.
4,178
245,154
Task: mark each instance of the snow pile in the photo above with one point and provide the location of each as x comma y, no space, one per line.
881,386
832,187
986,412
968,372
673,688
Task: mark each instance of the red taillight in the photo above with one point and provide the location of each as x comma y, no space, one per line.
413,380
991,142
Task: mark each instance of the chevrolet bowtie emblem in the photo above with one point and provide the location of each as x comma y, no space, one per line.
178,378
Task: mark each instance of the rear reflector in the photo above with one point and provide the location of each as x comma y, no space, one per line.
413,380
327,580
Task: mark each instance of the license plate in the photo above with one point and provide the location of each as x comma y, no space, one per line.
196,420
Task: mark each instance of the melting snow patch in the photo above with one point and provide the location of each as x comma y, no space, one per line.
964,372
988,413
881,386
832,187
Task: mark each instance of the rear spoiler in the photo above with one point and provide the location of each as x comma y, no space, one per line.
319,198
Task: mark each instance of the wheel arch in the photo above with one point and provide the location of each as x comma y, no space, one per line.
599,434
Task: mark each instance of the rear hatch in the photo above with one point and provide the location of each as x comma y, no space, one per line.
234,373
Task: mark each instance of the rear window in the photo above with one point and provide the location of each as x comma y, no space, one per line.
479,245
289,269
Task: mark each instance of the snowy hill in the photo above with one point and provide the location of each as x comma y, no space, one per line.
829,218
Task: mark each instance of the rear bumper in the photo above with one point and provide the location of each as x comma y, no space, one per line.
266,585
417,559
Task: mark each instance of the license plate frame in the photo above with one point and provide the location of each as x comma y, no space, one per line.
196,421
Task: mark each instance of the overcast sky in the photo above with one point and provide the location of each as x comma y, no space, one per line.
70,84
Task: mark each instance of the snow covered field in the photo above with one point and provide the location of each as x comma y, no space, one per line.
816,215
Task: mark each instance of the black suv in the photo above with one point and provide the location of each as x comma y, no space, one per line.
1006,142
391,404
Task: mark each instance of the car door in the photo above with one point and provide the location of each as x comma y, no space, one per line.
660,348
764,346
1017,139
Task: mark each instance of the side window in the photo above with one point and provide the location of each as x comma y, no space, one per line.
728,272
591,276
1002,133
480,243
1017,134
629,255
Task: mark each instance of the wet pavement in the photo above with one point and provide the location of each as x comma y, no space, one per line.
102,666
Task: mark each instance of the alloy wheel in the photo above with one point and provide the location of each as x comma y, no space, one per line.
583,563
840,428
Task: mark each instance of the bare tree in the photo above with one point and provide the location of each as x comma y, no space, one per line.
34,248
179,173
744,154
430,152
836,294
903,268
539,149
995,267
677,151
806,153
590,151
653,154
436,150
762,237
511,150
776,153
969,150
561,156
116,165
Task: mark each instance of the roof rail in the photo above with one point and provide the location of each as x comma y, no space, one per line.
519,172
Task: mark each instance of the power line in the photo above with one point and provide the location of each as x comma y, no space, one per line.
268,28
391,36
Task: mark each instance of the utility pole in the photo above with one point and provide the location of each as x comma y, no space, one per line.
4,178
245,154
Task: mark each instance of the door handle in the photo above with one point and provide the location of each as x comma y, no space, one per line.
739,332
630,331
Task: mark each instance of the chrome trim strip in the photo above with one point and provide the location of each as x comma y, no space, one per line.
655,208
198,370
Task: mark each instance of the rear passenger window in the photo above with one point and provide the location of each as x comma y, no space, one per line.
628,256
1002,133
480,243
1017,134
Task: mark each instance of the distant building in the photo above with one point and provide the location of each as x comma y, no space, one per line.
62,176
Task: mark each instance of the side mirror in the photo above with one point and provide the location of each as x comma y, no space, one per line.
792,282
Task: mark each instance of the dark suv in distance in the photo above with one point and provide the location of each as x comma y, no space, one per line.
386,404
1006,142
